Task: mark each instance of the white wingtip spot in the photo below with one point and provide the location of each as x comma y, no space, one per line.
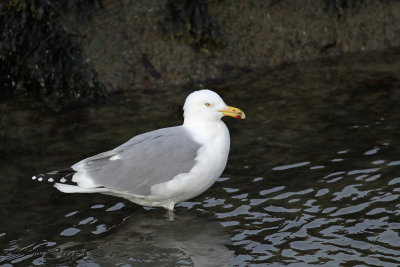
50,180
33,177
40,179
115,157
62,180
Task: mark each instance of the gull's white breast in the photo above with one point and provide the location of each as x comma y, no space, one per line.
210,163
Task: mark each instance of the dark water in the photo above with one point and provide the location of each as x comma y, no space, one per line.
313,176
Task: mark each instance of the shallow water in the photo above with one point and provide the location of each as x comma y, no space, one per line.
313,176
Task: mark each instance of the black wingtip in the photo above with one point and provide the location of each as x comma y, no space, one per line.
63,176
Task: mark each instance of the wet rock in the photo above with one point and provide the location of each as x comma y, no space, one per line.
55,51
190,20
254,34
39,57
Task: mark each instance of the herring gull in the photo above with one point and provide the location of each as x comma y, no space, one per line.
162,167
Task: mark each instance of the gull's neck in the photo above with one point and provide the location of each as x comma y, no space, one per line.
204,130
201,123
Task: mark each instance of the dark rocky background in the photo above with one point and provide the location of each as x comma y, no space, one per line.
62,52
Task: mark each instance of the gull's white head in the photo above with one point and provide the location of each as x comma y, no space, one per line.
206,105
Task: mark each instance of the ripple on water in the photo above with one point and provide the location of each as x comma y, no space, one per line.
348,216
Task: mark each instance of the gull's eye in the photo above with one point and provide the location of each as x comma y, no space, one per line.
207,104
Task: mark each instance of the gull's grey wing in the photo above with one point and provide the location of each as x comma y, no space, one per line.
145,160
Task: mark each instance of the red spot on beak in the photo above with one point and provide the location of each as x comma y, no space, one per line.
238,117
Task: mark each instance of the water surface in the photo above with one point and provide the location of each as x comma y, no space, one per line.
313,176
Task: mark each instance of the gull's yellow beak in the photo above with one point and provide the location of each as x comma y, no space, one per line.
233,112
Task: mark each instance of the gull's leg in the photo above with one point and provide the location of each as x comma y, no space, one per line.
170,211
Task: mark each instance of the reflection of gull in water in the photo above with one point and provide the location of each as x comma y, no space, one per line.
148,240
